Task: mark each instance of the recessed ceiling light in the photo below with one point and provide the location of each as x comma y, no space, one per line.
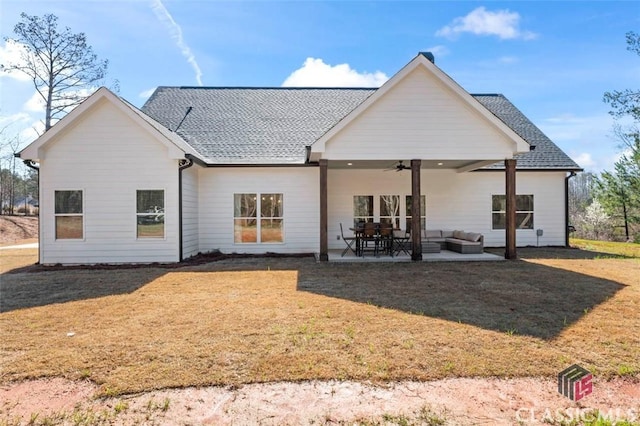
349,164
439,164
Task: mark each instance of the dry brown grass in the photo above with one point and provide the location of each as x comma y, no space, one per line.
258,320
14,229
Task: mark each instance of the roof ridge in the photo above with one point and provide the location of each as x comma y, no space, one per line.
265,88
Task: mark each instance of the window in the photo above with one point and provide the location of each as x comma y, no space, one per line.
423,212
524,211
271,218
362,209
270,226
68,215
390,210
150,213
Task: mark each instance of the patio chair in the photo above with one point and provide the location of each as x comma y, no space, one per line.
386,239
401,243
369,236
349,241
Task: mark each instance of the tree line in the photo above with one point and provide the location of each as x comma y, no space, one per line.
607,206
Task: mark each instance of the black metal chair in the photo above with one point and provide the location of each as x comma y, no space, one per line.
401,243
349,241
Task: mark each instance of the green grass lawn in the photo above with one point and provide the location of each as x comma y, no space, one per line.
608,247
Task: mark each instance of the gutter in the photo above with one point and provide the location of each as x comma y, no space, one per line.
182,165
32,165
566,207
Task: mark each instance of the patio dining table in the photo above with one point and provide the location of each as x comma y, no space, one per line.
397,243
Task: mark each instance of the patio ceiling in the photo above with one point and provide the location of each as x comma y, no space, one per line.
460,165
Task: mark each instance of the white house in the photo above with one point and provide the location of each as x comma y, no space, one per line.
255,170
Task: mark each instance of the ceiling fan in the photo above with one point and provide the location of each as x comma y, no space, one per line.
398,167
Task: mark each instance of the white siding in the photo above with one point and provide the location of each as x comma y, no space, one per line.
190,234
108,156
420,118
300,189
454,201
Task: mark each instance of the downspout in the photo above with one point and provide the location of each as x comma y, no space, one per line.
32,165
566,208
183,164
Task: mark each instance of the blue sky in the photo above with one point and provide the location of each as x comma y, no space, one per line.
553,60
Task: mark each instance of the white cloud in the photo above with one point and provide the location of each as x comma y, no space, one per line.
573,128
18,118
147,93
586,139
32,132
10,53
35,103
480,21
438,50
584,160
315,73
176,33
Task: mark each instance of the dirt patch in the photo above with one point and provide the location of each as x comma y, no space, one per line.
18,229
452,401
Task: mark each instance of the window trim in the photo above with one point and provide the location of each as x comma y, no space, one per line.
137,214
407,215
503,212
57,215
259,218
394,219
357,219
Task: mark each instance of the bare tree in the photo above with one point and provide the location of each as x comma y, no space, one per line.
60,64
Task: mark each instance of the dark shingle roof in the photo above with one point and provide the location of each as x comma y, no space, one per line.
546,154
274,125
252,125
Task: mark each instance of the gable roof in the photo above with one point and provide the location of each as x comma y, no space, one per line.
425,62
175,144
544,154
233,125
228,125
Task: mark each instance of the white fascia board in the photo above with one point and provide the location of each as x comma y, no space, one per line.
176,147
519,144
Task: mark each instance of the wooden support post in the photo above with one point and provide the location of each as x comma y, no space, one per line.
510,193
416,238
324,241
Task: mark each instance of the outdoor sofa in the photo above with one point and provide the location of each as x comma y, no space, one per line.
458,241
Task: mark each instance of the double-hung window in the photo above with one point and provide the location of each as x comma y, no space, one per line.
423,212
362,209
150,213
390,210
69,215
524,211
258,218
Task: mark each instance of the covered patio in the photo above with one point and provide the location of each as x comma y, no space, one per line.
335,256
446,191
441,135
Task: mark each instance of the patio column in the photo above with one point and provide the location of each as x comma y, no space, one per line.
510,195
324,242
416,242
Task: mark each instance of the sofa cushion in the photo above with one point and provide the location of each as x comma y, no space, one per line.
462,242
397,233
473,236
459,235
447,234
433,233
